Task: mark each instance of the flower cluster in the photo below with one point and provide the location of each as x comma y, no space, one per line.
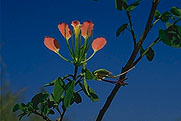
77,48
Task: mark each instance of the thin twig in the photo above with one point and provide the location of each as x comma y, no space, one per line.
58,110
63,113
132,29
142,55
80,78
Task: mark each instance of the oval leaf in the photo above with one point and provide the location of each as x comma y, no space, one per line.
58,89
121,4
77,98
175,11
133,6
68,95
157,14
171,36
101,73
90,93
89,75
165,16
150,54
16,107
93,96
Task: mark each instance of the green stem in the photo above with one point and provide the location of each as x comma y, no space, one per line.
89,57
79,48
75,72
84,49
124,72
68,46
143,54
63,57
154,23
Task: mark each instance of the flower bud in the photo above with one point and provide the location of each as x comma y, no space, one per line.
86,29
76,26
52,44
98,43
65,30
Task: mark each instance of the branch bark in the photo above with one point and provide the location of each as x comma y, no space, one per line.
130,61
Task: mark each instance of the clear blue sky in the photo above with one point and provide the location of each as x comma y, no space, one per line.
153,93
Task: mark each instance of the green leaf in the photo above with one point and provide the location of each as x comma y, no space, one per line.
16,108
44,108
69,95
85,86
121,29
93,96
150,54
58,89
39,98
30,106
121,4
165,16
50,84
89,75
171,36
133,6
77,98
175,11
90,93
157,14
22,107
102,73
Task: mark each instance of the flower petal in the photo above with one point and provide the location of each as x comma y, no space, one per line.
75,23
51,44
76,26
86,29
98,43
65,30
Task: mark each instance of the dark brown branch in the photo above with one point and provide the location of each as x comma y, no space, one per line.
58,110
63,113
132,29
130,61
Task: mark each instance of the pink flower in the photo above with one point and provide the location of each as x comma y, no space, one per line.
52,44
86,29
65,30
98,43
76,26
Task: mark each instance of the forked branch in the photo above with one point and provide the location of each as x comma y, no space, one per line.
130,61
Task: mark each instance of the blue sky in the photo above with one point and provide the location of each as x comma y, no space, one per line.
153,93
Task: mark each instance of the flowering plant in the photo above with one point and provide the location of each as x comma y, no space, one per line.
64,93
78,41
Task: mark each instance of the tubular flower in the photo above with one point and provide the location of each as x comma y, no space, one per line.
86,29
52,44
98,43
76,26
65,30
